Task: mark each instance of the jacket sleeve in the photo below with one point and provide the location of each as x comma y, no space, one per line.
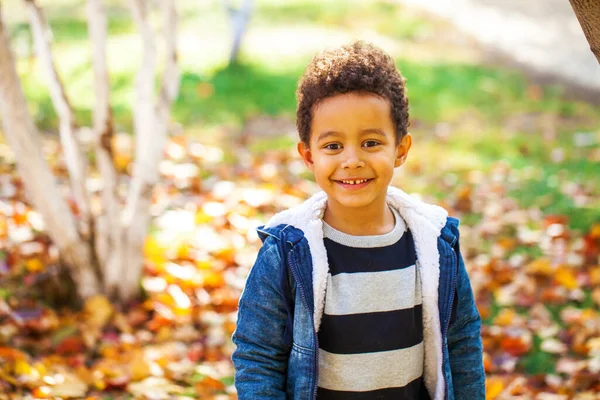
464,340
260,358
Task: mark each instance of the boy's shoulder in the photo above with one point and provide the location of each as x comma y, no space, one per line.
285,232
298,221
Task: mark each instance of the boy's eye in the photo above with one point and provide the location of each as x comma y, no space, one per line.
371,143
333,146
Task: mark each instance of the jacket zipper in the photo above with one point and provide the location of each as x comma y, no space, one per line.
451,302
316,338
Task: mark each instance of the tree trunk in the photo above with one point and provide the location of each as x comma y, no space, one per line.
108,230
23,138
108,256
239,18
588,14
71,147
151,119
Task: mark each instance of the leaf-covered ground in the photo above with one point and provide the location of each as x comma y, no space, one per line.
537,285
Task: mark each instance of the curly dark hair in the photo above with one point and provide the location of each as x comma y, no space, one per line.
357,67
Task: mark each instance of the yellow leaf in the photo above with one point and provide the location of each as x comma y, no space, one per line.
154,252
505,317
122,161
164,334
98,311
566,278
541,266
213,280
183,251
139,368
493,388
22,368
34,265
203,264
202,218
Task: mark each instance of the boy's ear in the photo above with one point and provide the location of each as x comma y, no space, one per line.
402,150
306,154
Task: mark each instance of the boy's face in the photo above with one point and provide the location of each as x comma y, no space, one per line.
353,139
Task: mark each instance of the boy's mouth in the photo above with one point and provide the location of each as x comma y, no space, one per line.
353,183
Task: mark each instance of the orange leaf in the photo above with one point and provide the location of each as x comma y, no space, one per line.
488,365
42,392
595,231
594,276
9,353
515,346
208,386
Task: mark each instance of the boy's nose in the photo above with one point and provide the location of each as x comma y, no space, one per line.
353,161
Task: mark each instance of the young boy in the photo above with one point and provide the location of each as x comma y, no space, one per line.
360,292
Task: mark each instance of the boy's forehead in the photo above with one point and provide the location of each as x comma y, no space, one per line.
357,113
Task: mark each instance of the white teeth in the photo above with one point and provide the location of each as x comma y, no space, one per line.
355,182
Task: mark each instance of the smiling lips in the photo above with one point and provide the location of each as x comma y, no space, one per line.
353,183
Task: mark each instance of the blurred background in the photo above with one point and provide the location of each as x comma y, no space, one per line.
505,118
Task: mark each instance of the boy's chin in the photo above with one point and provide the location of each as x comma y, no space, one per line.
353,201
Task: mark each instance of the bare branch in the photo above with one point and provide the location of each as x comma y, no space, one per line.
147,146
103,132
71,146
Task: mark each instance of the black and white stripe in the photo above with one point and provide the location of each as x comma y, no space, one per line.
371,334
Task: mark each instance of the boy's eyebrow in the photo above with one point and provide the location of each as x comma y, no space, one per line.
327,134
364,131
373,130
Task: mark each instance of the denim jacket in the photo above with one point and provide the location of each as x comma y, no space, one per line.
282,304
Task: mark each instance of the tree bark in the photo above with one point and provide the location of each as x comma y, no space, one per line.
108,232
588,14
110,258
74,159
151,118
22,136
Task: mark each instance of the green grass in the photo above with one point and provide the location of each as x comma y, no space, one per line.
381,16
538,361
239,92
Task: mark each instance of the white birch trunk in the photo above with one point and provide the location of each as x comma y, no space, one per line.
108,230
151,120
22,136
113,264
68,127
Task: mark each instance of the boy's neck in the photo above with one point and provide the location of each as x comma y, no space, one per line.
360,222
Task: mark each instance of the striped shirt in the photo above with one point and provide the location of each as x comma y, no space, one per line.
371,334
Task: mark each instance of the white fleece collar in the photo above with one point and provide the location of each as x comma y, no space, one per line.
425,222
